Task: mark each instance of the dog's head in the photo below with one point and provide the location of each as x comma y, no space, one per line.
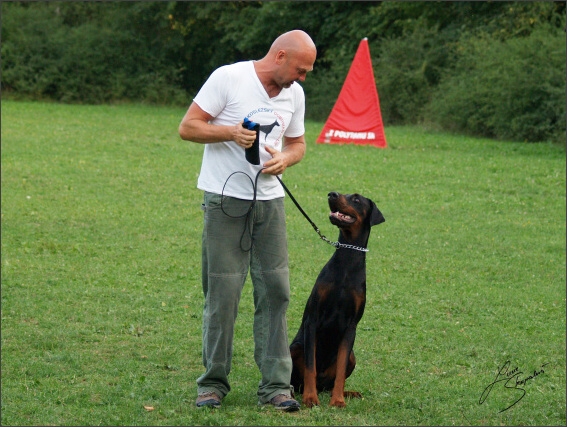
349,211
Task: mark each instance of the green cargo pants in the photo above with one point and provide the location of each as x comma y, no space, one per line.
232,247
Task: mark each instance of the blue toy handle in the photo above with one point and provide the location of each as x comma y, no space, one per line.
248,124
252,154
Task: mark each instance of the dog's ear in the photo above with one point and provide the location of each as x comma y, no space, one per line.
376,216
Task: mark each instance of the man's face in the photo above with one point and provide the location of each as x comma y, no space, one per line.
294,68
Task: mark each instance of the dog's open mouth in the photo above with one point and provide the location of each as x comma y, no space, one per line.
338,216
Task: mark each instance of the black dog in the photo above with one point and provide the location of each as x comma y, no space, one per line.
322,351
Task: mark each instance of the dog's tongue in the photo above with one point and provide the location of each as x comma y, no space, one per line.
341,217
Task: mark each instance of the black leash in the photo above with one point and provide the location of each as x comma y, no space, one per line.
248,212
252,154
335,244
254,183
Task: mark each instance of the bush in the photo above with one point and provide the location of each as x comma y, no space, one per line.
103,55
30,60
512,89
407,70
322,90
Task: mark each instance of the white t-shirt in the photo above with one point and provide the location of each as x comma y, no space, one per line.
232,93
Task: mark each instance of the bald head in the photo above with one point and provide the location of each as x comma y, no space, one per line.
289,59
293,42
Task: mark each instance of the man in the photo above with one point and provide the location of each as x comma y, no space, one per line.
244,225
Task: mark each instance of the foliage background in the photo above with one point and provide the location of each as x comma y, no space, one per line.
494,69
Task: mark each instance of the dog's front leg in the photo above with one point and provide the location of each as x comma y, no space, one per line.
338,394
343,355
310,397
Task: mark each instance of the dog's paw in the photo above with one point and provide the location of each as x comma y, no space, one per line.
338,402
310,400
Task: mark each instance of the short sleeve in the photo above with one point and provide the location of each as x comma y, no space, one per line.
297,126
212,97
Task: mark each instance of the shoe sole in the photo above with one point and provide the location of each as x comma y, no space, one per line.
287,408
291,408
212,403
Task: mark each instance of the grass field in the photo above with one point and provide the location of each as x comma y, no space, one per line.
101,298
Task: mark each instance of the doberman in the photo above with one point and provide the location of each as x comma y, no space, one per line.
322,351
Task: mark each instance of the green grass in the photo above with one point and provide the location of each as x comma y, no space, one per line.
101,298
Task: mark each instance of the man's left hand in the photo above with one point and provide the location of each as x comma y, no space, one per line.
277,164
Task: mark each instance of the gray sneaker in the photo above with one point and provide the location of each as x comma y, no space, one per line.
285,403
210,399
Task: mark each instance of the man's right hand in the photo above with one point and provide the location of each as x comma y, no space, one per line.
242,136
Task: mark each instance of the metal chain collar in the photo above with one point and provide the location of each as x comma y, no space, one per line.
341,245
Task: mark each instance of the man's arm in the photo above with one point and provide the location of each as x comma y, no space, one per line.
195,127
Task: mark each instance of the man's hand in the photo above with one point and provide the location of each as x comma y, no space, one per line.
292,152
277,164
242,136
195,126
